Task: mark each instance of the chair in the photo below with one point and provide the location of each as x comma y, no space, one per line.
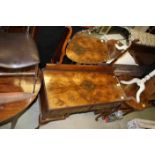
19,73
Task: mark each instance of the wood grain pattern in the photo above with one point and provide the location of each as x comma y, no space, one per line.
17,84
69,89
87,49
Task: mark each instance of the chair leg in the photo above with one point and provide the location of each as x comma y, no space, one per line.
14,122
35,78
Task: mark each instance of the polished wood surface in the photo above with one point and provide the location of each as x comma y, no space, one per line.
17,84
65,67
69,89
76,88
145,98
87,49
14,96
